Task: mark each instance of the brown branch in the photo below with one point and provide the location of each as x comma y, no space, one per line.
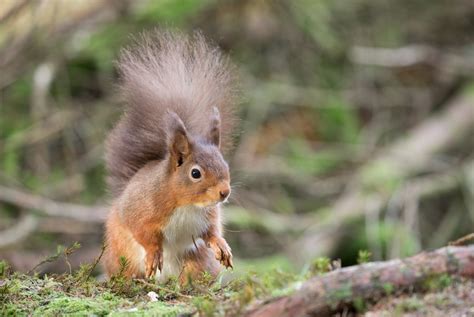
50,207
96,262
410,56
63,252
22,261
322,295
42,130
19,231
14,10
463,240
394,57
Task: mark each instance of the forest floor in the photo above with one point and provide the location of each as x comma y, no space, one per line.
237,294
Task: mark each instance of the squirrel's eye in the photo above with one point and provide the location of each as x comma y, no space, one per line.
195,173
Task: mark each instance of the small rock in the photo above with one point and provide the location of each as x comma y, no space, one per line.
153,296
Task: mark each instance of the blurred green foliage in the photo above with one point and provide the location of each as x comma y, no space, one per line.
310,115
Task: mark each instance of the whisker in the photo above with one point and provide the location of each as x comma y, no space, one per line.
233,231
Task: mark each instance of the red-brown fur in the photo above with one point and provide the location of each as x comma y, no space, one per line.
180,99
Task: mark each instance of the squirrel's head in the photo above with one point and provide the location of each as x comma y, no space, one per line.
198,174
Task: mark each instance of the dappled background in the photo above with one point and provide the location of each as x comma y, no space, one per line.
356,131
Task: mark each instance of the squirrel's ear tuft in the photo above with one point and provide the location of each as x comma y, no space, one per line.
214,135
178,141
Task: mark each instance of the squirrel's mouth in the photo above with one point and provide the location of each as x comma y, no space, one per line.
207,204
224,201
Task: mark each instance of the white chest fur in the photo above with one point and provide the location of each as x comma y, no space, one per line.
186,223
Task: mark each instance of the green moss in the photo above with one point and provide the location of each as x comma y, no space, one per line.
320,265
342,293
205,306
163,309
65,294
12,310
363,256
437,282
410,304
359,304
108,304
76,306
388,288
4,268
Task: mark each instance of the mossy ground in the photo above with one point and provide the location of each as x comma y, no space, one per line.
79,294
67,294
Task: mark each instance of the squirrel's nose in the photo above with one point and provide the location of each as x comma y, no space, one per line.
224,194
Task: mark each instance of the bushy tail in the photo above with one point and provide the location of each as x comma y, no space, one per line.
167,70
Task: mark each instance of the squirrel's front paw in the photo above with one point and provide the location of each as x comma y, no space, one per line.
221,250
153,261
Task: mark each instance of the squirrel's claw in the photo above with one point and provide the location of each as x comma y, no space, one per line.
159,260
154,260
229,262
222,251
149,269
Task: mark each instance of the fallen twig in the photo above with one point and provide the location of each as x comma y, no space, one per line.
322,295
463,240
96,262
61,252
162,288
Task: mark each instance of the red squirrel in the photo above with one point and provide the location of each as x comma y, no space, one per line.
164,158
